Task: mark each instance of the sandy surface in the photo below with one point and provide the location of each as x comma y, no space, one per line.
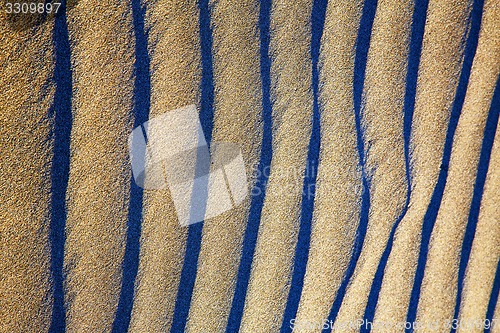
26,145
339,180
437,300
105,59
174,51
237,119
496,328
292,110
441,53
98,186
382,120
485,251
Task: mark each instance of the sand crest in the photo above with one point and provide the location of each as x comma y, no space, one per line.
292,111
237,119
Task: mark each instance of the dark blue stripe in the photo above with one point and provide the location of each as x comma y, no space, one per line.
259,190
63,120
362,47
193,243
417,34
142,94
308,191
493,300
437,195
482,170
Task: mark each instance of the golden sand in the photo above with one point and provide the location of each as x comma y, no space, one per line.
383,98
292,110
98,186
485,251
496,327
102,57
441,53
26,69
175,78
338,182
437,299
237,119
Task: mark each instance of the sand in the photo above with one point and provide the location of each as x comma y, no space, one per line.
382,120
496,327
338,196
485,252
104,56
437,299
441,53
482,265
237,119
174,51
292,110
26,143
98,186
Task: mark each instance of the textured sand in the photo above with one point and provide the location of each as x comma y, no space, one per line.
98,186
337,200
174,50
496,328
441,53
437,300
485,251
382,119
103,53
26,145
292,110
237,119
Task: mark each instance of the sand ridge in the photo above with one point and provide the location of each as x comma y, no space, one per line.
442,53
439,286
292,111
237,119
382,120
337,201
175,68
26,143
98,185
482,265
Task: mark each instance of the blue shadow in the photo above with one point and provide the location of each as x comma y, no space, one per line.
308,191
259,190
490,312
482,170
142,94
63,119
193,243
417,34
362,47
437,195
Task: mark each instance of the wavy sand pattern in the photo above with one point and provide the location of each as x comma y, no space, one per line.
395,104
338,195
174,84
432,107
27,143
381,113
440,280
98,183
237,118
292,111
